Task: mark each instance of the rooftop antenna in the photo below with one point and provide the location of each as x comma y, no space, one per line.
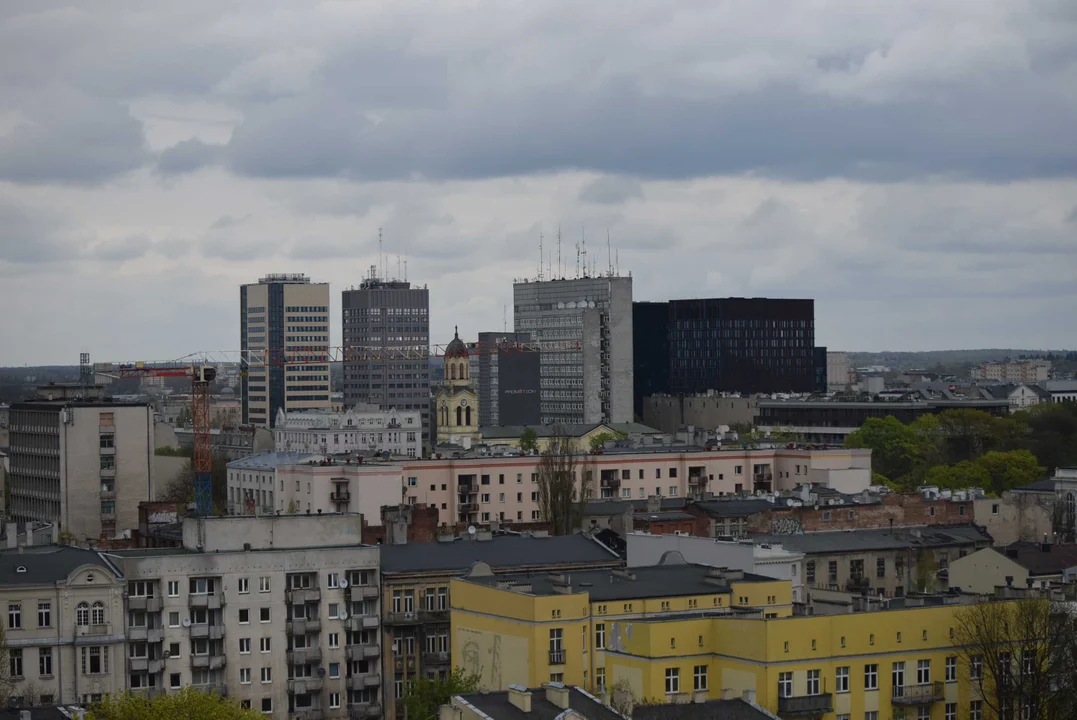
617,261
559,251
381,256
609,255
398,273
577,261
504,318
583,251
540,258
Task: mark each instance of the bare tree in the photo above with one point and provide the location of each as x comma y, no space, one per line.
561,501
6,683
1019,655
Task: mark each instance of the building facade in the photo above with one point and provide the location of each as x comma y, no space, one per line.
1021,371
83,464
280,613
584,327
456,399
501,355
397,432
284,336
389,320
63,624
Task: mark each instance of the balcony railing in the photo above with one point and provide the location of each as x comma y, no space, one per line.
557,657
304,627
309,714
209,602
219,688
365,680
364,711
806,705
302,656
212,632
363,592
363,652
436,658
302,596
150,693
402,618
341,496
434,614
918,694
142,664
148,604
211,662
90,634
304,686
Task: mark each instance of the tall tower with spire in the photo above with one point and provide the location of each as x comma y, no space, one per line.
457,400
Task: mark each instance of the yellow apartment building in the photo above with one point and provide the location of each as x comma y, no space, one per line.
681,633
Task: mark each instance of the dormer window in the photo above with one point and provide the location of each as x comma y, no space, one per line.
20,569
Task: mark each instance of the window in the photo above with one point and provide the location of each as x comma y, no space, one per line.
600,678
832,572
173,588
557,677
334,670
897,677
244,676
923,672
267,675
267,705
174,681
174,650
94,660
673,681
15,662
334,610
785,684
738,470
813,682
244,646
880,568
263,584
14,617
265,644
810,571
244,585
923,712
44,614
976,710
600,636
951,711
334,640
871,677
699,678
871,715
951,669
44,661
976,667
97,613
556,647
244,616
334,700
841,680
263,614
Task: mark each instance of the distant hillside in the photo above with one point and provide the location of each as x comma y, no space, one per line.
954,358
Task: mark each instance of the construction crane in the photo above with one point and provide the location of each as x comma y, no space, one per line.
202,369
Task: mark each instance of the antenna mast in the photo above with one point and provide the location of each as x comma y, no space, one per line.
381,256
577,261
583,251
540,258
559,251
609,254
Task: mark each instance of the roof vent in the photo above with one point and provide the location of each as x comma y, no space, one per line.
20,569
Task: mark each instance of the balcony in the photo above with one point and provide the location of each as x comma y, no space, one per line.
309,714
467,507
363,652
403,618
436,658
109,472
340,496
918,694
402,664
557,657
91,634
211,662
209,602
364,711
304,686
434,615
302,656
149,693
148,604
212,632
358,593
367,680
304,627
108,494
302,596
217,688
806,705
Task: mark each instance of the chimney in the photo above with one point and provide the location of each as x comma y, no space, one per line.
12,535
749,696
520,697
55,534
729,694
557,694
29,534
654,504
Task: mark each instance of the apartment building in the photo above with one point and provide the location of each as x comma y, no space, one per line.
295,483
389,319
415,585
284,335
1022,371
584,329
506,372
63,624
685,633
85,464
280,613
363,432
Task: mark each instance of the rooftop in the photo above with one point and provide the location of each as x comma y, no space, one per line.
574,430
609,508
498,706
711,710
271,460
1047,559
48,564
655,581
501,551
816,543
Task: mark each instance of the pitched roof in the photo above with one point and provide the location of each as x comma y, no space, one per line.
737,709
817,543
1047,485
48,564
496,706
501,551
43,713
1039,559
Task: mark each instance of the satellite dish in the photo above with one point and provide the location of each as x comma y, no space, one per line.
321,672
186,622
470,529
344,584
343,615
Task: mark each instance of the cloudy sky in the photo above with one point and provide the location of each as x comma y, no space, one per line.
911,164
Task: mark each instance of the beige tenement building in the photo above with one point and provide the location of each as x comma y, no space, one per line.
281,317
63,621
280,613
85,464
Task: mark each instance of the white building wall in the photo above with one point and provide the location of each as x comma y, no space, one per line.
395,431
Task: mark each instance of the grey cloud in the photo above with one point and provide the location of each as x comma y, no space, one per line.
227,221
611,190
188,156
30,235
131,247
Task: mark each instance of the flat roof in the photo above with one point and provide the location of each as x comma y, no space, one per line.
837,541
501,551
497,706
653,581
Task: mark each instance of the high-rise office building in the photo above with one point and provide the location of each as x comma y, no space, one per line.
498,357
584,329
392,318
746,345
281,318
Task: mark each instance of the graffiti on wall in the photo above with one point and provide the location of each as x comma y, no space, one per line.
499,660
786,526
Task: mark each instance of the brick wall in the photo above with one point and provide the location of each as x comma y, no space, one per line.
902,510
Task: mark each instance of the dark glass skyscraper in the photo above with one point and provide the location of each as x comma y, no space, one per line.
747,345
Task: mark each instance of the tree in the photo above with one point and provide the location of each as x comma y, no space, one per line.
181,489
927,572
965,474
6,682
896,449
187,703
1008,470
966,434
560,502
423,696
529,440
1020,656
598,442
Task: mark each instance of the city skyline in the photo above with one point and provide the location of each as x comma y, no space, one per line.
910,169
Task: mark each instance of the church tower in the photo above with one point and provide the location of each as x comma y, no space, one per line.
457,400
